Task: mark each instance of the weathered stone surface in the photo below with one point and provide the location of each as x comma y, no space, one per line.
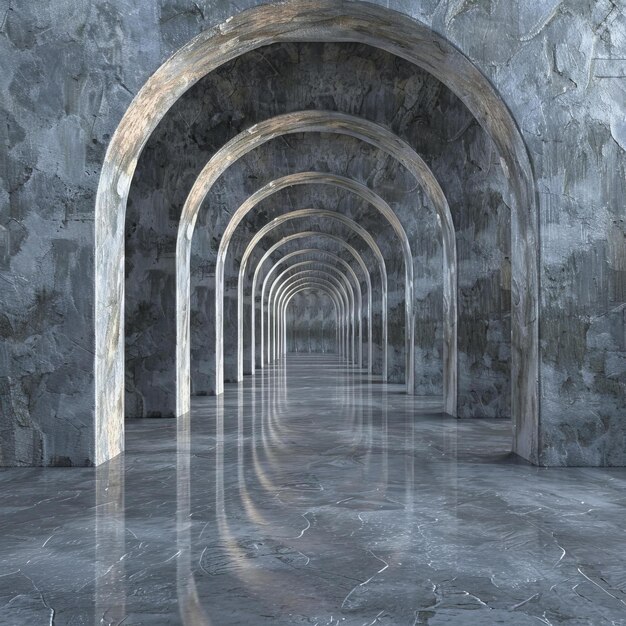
67,74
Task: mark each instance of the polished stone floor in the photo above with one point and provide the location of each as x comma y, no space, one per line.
312,495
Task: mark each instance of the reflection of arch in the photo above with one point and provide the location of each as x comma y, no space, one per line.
351,273
319,21
339,182
297,282
273,249
352,225
286,307
343,286
192,613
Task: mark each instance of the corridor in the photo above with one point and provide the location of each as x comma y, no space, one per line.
312,493
313,312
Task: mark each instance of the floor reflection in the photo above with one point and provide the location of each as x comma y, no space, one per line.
313,494
192,612
110,574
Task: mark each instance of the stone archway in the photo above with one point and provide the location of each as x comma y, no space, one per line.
277,301
335,276
320,288
334,123
301,235
310,288
312,178
350,272
183,355
327,21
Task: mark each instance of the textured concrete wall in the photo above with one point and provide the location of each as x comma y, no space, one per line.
69,69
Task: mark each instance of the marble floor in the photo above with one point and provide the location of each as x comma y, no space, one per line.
312,495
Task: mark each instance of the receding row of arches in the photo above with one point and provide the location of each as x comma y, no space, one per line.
267,251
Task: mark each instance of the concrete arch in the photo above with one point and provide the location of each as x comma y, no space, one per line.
278,302
316,121
286,304
281,343
302,235
312,287
347,291
349,223
275,303
361,191
351,273
320,21
343,319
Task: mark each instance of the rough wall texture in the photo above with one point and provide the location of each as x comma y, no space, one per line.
69,69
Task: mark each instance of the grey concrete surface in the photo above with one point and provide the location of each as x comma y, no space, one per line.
313,494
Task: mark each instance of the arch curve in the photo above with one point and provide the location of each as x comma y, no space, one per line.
275,223
364,193
301,235
343,285
358,293
307,20
281,313
293,284
313,287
